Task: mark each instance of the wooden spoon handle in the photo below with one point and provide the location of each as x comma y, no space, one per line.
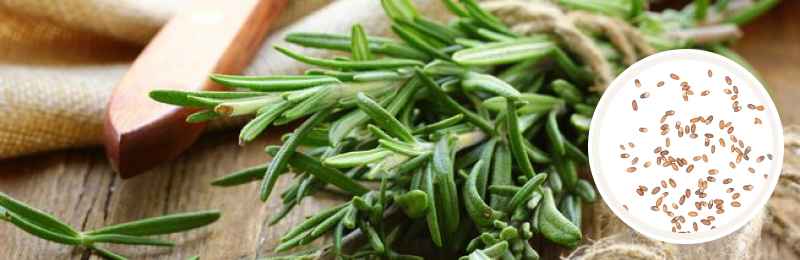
208,36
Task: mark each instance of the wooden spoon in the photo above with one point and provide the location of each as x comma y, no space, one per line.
208,36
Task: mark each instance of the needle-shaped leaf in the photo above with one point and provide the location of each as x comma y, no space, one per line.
501,172
384,118
433,221
445,68
36,229
36,217
399,9
526,192
311,222
202,115
534,103
281,159
254,128
554,133
516,141
181,98
161,225
485,18
489,83
445,184
504,52
242,176
352,65
360,47
323,227
442,124
273,83
357,158
127,240
108,254
567,91
478,211
553,225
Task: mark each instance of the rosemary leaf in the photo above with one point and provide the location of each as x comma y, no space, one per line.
353,65
161,225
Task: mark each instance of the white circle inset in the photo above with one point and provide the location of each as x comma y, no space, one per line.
616,124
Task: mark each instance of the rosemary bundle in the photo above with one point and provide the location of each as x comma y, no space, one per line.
473,132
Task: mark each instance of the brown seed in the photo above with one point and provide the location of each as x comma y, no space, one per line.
683,198
680,132
760,108
709,75
729,190
693,136
730,130
690,168
634,161
751,170
718,201
705,185
735,104
698,191
631,145
658,161
705,93
674,206
741,143
696,158
707,141
660,84
675,167
667,141
666,164
631,169
720,211
732,165
738,151
693,128
692,214
673,229
626,207
721,124
657,150
710,204
664,126
711,218
663,118
635,106
683,220
672,183
736,204
705,222
685,97
698,205
769,155
664,208
643,130
643,188
728,80
705,159
641,193
733,138
709,120
735,196
675,219
664,152
687,129
735,90
727,91
683,84
703,203
673,76
663,184
720,206
746,158
654,208
624,155
622,147
713,171
655,190
765,176
688,194
726,181
658,202
644,95
694,224
757,122
728,124
665,194
688,91
734,97
748,187
738,158
722,142
638,84
670,112
711,179
647,164
747,150
759,159
751,106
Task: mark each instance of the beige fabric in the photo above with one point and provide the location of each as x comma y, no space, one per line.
60,60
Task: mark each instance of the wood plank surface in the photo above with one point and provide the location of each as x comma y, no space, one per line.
80,187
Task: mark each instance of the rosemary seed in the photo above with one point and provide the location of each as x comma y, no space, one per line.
735,195
728,80
748,187
635,106
638,84
673,76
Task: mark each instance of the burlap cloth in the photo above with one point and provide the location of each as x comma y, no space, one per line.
59,61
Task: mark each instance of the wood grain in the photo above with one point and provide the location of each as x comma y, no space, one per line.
205,37
80,187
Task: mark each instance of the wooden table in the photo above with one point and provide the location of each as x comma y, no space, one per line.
78,186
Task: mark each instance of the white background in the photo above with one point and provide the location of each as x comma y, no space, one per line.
621,125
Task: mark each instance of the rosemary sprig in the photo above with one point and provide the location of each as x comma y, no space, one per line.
474,133
47,227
